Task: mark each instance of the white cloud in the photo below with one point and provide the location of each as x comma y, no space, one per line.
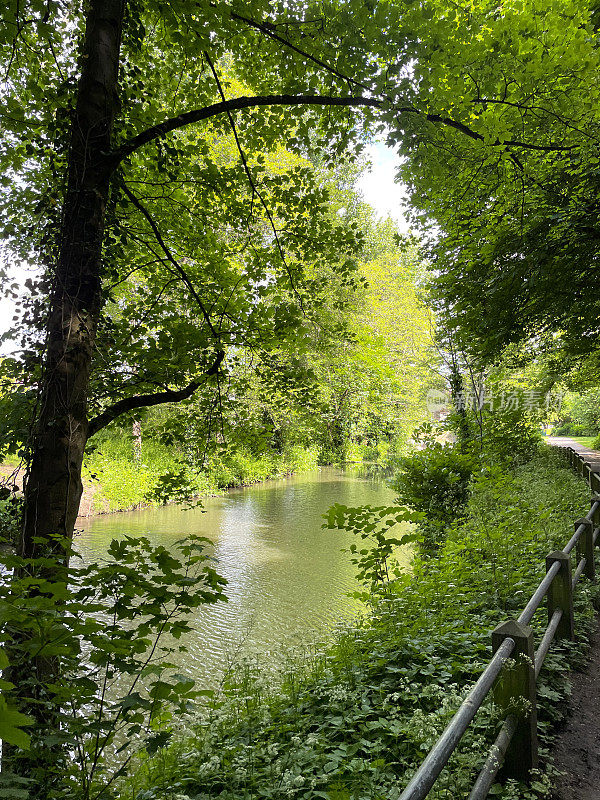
380,186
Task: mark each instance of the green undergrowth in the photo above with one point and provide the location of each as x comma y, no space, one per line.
120,482
356,719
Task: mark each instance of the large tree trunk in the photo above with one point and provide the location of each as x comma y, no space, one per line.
53,487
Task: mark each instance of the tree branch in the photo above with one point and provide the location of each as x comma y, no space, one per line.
235,104
171,258
146,400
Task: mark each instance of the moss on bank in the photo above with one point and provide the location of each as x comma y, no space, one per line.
355,721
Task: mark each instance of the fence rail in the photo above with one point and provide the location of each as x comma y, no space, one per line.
515,749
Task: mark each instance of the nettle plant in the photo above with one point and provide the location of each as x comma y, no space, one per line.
374,558
108,633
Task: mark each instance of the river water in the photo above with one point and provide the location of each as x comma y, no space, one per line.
288,579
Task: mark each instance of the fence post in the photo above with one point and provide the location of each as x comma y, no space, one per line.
560,594
585,547
515,693
595,499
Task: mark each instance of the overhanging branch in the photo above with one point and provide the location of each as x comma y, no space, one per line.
237,103
147,400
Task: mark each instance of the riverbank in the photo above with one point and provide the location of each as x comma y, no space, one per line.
114,481
358,719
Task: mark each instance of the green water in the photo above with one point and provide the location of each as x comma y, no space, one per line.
287,577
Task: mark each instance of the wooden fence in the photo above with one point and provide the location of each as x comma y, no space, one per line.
516,746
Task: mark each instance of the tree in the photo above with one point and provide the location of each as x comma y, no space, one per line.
515,202
90,120
77,137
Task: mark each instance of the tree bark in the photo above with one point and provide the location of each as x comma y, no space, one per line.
53,488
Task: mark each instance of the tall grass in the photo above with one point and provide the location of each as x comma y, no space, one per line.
120,481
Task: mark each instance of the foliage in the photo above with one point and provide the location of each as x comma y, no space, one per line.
11,506
12,721
511,436
120,481
375,387
355,720
510,189
112,629
435,482
580,414
374,560
573,429
168,473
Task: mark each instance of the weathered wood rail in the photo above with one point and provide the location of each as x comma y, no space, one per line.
515,749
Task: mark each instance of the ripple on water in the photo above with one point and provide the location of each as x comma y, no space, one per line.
287,577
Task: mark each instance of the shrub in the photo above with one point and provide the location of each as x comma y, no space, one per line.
510,437
165,473
435,482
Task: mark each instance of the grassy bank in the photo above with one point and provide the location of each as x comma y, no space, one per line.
586,441
116,481
356,721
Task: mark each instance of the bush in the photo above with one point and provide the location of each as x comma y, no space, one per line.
435,482
574,429
165,473
510,437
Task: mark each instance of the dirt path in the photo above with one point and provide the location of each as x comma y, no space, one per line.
577,749
591,456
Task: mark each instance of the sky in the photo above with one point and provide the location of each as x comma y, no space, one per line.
377,186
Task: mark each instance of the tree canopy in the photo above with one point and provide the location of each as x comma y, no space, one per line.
165,166
514,202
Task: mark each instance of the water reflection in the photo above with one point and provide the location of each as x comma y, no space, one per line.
287,577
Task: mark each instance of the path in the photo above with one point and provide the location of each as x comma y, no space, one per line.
577,749
591,456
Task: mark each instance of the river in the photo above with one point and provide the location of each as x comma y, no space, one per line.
288,579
